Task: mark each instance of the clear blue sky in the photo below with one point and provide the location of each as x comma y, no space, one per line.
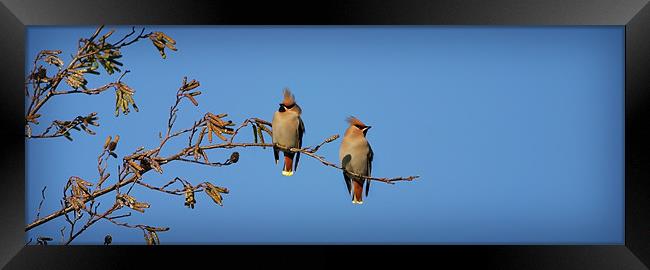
517,133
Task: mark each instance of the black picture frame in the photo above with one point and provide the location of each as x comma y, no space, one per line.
15,15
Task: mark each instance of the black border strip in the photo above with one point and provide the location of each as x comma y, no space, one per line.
634,14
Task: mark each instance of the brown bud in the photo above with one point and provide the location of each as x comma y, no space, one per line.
234,157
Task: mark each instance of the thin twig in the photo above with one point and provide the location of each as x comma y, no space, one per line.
90,222
38,211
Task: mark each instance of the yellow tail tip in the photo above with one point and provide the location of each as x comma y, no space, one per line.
285,173
357,202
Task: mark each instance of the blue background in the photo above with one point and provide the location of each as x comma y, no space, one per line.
517,133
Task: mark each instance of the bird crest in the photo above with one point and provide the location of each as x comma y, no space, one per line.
355,122
289,99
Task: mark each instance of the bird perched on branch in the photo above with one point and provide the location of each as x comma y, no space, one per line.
288,129
356,157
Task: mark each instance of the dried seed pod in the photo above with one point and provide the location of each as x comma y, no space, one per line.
87,130
201,134
154,164
204,155
105,36
108,239
332,138
51,52
157,229
106,143
42,240
213,191
217,120
191,98
53,60
130,202
154,238
218,132
167,38
159,44
266,129
147,238
189,196
196,153
134,165
210,128
259,133
140,206
189,86
112,145
216,197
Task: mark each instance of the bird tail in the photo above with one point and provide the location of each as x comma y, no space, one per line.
357,191
288,164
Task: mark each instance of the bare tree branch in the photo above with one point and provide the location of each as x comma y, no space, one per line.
91,53
79,196
135,165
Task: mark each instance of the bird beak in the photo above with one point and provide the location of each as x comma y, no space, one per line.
368,127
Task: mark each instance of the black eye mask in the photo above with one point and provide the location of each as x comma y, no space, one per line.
363,128
285,107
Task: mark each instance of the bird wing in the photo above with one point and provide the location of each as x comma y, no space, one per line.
370,156
274,126
347,182
301,131
276,154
